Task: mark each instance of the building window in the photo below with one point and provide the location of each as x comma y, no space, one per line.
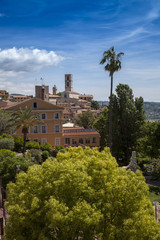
43,116
44,140
87,140
57,141
43,129
67,84
57,128
57,115
35,129
81,140
35,105
67,140
74,141
94,140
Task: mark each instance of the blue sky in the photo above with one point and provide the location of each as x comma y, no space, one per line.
48,38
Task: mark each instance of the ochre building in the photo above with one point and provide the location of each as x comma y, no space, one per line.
51,129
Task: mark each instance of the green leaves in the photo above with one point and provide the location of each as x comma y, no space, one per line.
80,194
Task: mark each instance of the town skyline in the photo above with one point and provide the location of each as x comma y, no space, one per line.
48,39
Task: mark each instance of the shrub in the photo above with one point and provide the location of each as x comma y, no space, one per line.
153,168
57,149
6,143
46,147
10,165
45,155
5,135
32,145
36,155
18,143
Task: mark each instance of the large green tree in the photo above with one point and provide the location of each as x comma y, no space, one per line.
10,165
149,143
6,122
128,121
113,65
85,119
81,194
25,118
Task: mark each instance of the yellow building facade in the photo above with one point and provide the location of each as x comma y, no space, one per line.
80,137
51,115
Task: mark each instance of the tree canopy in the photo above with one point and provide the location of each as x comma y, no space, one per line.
128,119
85,119
94,104
6,122
81,194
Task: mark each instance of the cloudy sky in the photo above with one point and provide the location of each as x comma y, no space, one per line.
48,38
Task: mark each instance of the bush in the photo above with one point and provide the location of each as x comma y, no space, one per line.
18,143
36,155
46,147
10,165
6,143
45,155
153,169
4,135
32,145
57,149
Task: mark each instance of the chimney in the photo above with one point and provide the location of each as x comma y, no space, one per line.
54,90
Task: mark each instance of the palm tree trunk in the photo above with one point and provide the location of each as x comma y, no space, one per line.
24,141
110,115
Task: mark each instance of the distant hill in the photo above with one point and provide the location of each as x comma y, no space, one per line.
152,109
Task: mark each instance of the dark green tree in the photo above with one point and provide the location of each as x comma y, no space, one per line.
149,143
6,122
113,65
128,120
94,104
86,119
102,127
10,165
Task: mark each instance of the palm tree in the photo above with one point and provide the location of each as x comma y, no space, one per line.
113,65
25,118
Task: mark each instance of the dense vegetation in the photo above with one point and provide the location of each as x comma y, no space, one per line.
80,195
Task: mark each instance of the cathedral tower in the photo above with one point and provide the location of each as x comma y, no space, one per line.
68,82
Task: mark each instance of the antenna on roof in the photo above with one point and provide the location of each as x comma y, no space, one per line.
42,79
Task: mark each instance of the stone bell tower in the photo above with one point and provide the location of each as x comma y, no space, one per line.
68,82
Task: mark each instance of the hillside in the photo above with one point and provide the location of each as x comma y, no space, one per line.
152,109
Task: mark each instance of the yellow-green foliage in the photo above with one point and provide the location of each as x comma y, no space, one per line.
82,194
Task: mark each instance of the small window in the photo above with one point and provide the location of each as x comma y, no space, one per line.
74,141
67,140
35,105
57,141
81,140
94,140
44,140
57,128
57,115
35,129
87,140
43,116
44,129
67,84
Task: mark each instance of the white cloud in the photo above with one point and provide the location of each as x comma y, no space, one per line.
27,60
